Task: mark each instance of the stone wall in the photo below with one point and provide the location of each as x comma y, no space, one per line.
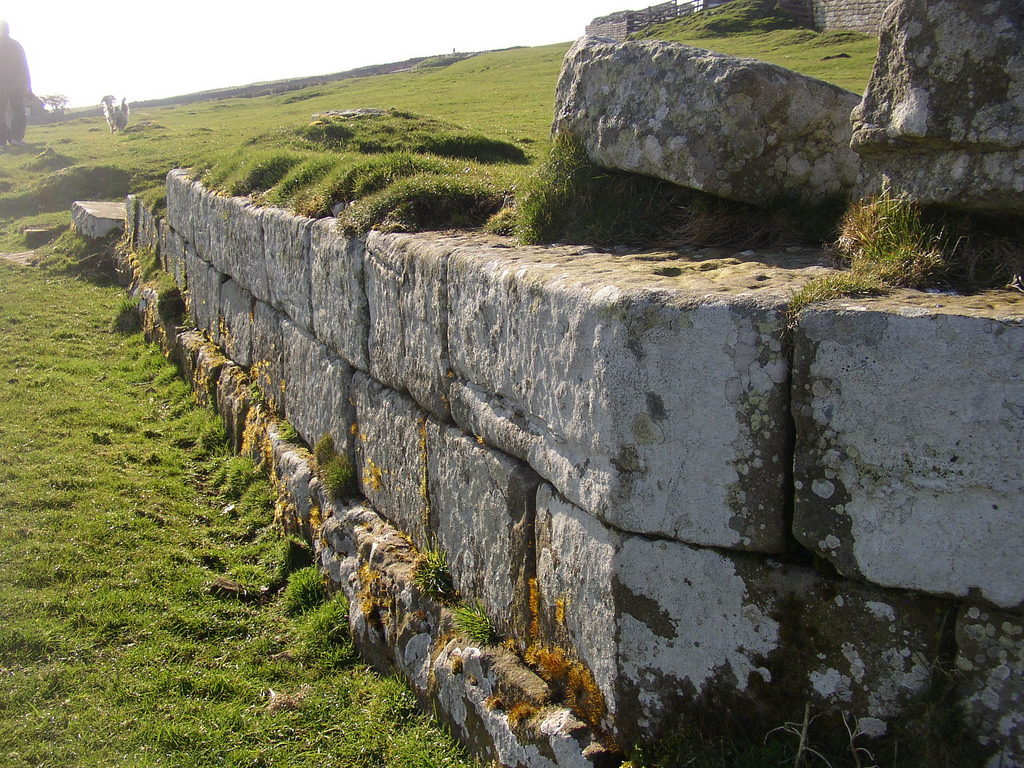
855,15
668,500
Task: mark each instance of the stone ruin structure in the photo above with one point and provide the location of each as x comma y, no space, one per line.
823,15
670,501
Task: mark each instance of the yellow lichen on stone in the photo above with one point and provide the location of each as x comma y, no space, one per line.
560,609
571,680
534,608
372,476
368,601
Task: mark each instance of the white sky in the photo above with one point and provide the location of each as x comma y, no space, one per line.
146,49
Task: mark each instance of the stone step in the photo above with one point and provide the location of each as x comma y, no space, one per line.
96,219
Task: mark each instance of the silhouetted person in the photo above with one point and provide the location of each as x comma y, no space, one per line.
15,85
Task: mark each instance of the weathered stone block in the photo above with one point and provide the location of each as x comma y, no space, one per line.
286,243
96,219
238,244
736,128
317,391
471,689
182,202
189,342
172,251
482,506
203,365
341,314
268,356
942,120
408,298
203,297
990,668
147,233
237,307
233,401
391,455
294,478
653,403
907,409
671,631
131,216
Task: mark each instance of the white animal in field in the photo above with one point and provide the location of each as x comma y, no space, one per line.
117,115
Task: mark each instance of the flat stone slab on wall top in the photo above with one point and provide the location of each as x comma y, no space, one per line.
907,411
736,128
96,219
649,390
942,119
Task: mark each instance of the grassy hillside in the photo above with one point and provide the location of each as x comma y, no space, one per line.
505,95
843,58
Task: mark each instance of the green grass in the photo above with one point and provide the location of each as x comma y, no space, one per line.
757,29
433,576
494,102
471,621
119,505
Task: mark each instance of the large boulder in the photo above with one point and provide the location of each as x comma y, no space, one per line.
736,128
942,120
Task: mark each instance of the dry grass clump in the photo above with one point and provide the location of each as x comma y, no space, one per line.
891,242
572,200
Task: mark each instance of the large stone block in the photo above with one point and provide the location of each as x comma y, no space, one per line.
95,219
671,631
482,506
296,487
407,291
239,247
341,314
234,398
658,404
147,230
990,668
131,216
942,120
203,296
267,370
317,391
286,242
172,250
910,429
237,308
735,128
391,455
182,202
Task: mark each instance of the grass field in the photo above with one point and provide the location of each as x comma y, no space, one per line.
119,507
504,95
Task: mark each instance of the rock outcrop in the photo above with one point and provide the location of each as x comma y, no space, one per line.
735,128
942,120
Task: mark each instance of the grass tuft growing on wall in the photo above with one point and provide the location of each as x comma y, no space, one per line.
889,242
473,623
572,200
